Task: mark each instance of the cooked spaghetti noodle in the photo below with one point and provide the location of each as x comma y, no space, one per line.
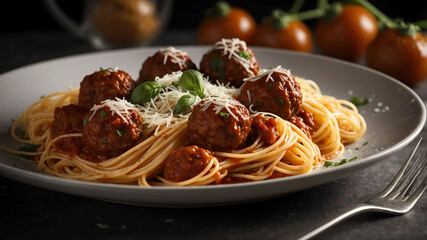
337,122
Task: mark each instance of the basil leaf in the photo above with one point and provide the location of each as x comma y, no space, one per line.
184,103
192,81
145,92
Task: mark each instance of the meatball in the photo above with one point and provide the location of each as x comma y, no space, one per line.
274,91
164,61
105,84
219,124
304,121
68,119
266,128
185,163
111,129
229,62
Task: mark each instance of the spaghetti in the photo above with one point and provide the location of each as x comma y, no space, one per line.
337,122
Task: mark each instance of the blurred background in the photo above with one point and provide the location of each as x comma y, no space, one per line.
30,29
186,14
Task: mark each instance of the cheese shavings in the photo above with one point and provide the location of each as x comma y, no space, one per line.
118,106
220,104
177,56
232,48
269,73
159,111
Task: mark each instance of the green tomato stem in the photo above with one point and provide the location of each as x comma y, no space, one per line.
377,13
310,14
322,4
296,7
421,24
220,9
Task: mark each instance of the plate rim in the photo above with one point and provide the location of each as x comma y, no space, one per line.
14,172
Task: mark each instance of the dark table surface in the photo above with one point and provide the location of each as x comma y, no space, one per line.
28,212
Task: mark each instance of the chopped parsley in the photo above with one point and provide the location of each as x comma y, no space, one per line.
244,55
102,114
105,141
341,162
360,101
28,147
119,133
270,86
226,115
105,70
281,102
216,63
84,121
221,74
71,120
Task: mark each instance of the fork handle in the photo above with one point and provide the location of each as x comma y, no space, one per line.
334,219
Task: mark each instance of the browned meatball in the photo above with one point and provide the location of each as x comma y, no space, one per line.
274,91
105,84
304,121
266,128
185,163
229,61
68,119
164,61
218,128
108,134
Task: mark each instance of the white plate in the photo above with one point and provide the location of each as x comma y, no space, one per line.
394,118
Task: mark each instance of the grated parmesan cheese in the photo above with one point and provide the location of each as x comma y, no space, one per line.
159,111
231,47
117,106
177,56
269,73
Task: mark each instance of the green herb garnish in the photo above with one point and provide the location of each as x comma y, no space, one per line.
145,92
105,141
71,120
270,86
102,114
216,63
84,121
28,147
119,133
244,55
226,115
281,102
184,103
341,162
175,84
360,101
221,74
192,80
105,70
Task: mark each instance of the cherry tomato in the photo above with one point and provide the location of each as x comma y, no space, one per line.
402,57
238,23
295,36
347,36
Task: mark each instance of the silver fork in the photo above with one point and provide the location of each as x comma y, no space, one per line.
397,198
